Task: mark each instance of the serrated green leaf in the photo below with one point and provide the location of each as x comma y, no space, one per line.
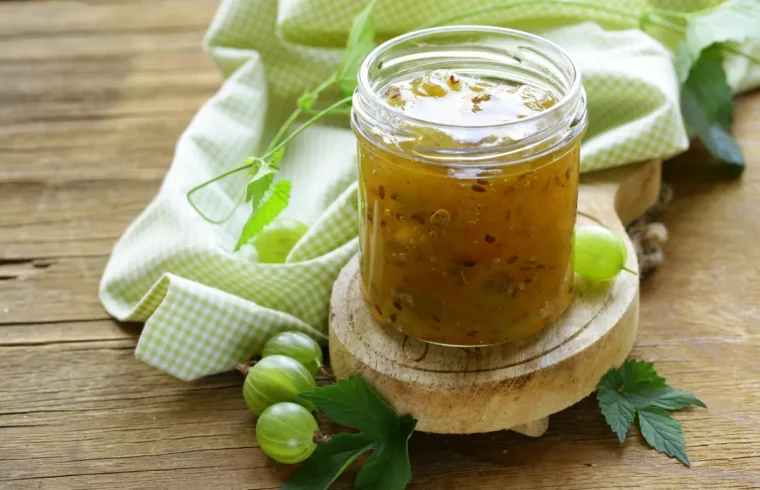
388,468
353,403
707,106
636,388
328,462
670,399
639,376
361,41
611,381
260,182
617,411
272,203
662,432
263,175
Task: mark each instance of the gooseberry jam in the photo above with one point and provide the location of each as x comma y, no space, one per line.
468,192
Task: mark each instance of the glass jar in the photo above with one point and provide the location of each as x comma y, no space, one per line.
466,232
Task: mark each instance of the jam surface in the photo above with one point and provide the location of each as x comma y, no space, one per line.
466,253
444,97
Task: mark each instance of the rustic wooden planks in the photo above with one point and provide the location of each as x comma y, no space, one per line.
92,98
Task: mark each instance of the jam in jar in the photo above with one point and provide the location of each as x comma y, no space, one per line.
469,151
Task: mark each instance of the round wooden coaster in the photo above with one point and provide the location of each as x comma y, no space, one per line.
511,386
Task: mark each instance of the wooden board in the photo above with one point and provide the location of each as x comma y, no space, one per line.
510,386
82,151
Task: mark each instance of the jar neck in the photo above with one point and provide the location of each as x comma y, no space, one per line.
479,51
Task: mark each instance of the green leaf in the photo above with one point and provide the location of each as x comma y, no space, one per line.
671,399
733,21
611,381
683,61
262,179
263,175
617,411
265,209
352,403
361,41
636,388
662,432
639,376
706,99
388,467
707,106
666,398
328,462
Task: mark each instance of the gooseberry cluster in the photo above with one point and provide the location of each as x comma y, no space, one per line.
286,426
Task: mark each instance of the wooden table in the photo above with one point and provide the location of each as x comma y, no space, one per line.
92,99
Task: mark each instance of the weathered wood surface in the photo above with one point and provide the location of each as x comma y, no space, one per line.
92,98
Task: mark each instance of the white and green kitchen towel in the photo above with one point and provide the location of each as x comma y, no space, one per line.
206,307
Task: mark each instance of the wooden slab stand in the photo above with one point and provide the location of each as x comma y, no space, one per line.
512,386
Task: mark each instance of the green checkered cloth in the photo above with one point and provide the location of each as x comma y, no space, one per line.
206,307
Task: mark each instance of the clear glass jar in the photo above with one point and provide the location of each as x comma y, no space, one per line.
467,239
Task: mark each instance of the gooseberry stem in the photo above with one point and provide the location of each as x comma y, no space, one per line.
244,367
322,369
630,271
321,439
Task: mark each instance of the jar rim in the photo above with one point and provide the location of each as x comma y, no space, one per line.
575,90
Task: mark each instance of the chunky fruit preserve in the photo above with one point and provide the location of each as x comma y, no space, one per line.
466,218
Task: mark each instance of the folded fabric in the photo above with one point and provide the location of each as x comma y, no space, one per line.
206,307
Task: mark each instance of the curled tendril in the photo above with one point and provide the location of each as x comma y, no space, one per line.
274,148
219,177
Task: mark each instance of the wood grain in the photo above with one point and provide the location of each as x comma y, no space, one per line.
92,99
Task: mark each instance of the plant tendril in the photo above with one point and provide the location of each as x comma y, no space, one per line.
269,153
284,128
305,125
209,182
